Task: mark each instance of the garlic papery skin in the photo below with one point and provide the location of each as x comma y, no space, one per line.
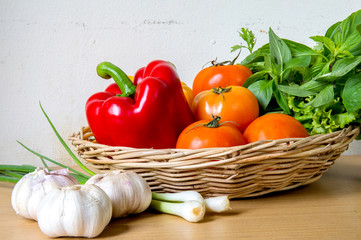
77,211
31,188
128,191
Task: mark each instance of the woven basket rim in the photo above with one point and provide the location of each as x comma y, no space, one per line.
272,142
160,155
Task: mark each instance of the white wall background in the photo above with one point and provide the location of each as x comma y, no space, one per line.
49,51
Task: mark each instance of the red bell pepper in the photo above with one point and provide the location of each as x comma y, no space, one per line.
149,113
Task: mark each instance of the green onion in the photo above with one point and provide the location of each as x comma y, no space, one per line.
178,197
8,179
192,211
44,163
18,168
52,161
81,179
218,204
65,145
214,204
11,174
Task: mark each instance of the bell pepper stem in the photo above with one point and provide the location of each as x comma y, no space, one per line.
108,70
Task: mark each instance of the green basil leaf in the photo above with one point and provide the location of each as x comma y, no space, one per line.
269,62
298,49
351,41
340,69
324,97
279,49
256,55
314,85
296,90
327,42
351,93
297,62
281,99
254,78
263,91
343,66
332,30
356,51
315,70
349,25
345,28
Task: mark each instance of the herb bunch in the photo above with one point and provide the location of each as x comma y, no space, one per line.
319,86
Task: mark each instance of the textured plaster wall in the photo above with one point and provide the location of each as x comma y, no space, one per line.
49,51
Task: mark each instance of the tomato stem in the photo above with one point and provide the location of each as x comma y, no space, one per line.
214,123
215,63
220,90
234,60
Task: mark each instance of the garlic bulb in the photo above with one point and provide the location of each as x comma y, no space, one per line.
128,191
78,211
31,188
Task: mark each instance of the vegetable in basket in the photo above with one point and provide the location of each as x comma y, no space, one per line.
320,86
220,75
188,93
225,73
274,126
149,113
232,103
207,134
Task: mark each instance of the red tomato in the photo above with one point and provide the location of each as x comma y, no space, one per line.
274,126
235,103
205,134
220,76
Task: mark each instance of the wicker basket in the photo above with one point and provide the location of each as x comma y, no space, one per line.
243,171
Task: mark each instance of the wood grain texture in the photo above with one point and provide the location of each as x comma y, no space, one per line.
329,208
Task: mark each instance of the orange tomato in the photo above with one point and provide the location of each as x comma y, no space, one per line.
220,76
234,103
274,126
207,134
188,93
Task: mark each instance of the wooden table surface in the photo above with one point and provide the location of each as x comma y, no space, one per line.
330,208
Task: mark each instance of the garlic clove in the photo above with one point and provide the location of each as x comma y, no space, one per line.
128,191
77,211
21,194
31,188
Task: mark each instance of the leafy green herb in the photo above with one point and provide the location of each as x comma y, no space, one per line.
320,86
351,93
263,90
248,37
